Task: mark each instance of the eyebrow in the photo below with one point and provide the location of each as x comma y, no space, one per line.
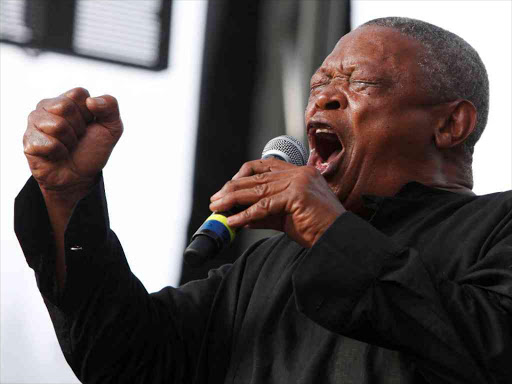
348,68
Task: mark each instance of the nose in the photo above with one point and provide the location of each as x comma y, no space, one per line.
331,100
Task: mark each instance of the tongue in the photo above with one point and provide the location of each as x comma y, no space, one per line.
322,166
333,155
328,147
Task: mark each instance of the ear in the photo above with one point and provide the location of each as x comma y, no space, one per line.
457,122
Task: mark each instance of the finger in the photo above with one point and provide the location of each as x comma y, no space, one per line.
249,196
39,144
55,126
66,108
261,166
79,96
106,110
249,182
264,208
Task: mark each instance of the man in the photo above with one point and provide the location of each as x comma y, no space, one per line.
390,270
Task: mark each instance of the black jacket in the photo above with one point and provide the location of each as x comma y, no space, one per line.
422,293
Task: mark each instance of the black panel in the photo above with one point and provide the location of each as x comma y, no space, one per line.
131,32
228,79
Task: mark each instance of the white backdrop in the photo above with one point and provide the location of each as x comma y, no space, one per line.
160,114
487,26
148,178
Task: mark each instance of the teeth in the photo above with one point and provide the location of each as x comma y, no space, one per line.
323,130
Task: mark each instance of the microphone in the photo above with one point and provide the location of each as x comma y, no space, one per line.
215,234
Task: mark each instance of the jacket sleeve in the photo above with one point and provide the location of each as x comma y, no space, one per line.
108,326
359,283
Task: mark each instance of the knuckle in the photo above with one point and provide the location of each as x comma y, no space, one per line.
26,139
78,93
260,176
260,189
264,204
229,199
113,100
42,103
245,167
229,186
50,124
33,117
61,107
29,145
59,126
247,213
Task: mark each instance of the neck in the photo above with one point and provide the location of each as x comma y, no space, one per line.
453,173
453,176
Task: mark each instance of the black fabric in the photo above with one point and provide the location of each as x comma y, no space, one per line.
225,111
422,293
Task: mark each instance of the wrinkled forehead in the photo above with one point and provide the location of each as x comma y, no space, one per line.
379,48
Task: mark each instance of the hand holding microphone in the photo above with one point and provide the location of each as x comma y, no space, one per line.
276,195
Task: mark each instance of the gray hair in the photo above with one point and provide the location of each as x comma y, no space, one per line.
452,68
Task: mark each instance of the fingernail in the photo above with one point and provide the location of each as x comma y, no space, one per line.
100,100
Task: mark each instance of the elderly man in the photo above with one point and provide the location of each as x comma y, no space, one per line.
390,269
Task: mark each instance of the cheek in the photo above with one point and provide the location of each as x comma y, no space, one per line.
309,108
370,126
393,134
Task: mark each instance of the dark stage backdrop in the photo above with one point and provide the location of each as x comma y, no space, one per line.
258,59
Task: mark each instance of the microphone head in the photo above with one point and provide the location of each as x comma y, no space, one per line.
287,148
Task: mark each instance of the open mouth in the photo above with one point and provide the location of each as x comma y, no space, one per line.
326,149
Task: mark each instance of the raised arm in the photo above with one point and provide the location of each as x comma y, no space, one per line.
109,327
67,143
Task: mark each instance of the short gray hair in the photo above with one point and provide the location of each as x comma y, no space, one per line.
452,68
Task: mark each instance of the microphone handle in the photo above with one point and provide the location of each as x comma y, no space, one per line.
214,235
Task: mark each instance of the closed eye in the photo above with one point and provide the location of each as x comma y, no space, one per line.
316,85
364,82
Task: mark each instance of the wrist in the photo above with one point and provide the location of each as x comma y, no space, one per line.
330,219
68,195
60,202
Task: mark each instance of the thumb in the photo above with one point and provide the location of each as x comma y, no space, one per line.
106,110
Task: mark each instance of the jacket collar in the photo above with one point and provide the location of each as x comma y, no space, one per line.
411,195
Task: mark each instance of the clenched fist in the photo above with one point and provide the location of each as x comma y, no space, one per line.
69,139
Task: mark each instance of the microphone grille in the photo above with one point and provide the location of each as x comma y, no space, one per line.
288,148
